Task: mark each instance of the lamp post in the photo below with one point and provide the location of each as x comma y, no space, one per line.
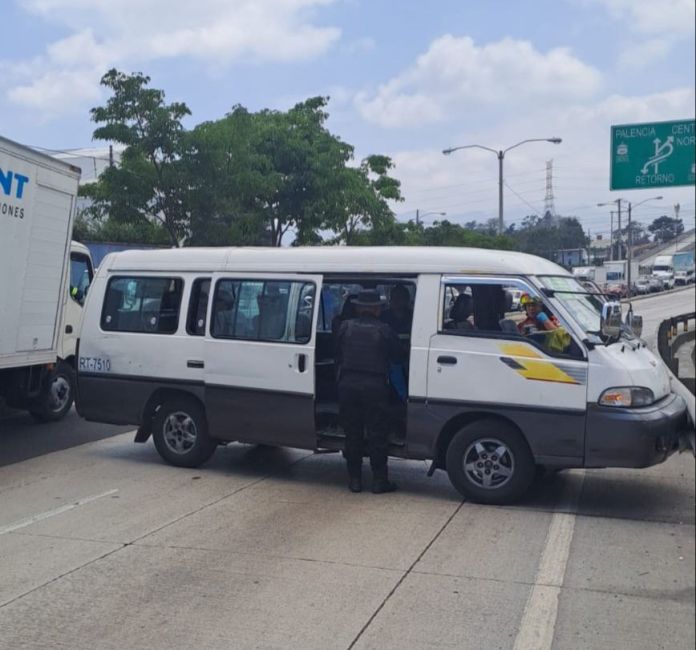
501,156
419,216
629,244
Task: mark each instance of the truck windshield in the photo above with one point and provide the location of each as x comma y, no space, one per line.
584,307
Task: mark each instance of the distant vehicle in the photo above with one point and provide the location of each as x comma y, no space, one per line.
683,264
616,290
655,284
594,289
597,274
515,295
663,268
642,285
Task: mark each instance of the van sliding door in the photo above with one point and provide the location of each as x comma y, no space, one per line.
259,358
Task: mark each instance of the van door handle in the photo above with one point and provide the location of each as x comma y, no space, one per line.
195,363
68,329
302,362
447,361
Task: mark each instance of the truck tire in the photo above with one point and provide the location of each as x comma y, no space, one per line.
180,433
57,394
490,462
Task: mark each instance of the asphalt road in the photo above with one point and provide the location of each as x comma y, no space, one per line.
22,438
104,546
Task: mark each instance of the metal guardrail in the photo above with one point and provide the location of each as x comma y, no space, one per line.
670,339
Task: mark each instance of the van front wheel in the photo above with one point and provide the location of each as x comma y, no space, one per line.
180,433
490,462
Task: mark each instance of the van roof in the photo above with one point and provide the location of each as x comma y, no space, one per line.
335,259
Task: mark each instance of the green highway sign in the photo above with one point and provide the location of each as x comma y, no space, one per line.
662,154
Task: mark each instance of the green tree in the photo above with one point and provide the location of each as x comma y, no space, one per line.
666,228
150,183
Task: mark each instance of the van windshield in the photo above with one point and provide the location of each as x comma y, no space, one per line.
584,307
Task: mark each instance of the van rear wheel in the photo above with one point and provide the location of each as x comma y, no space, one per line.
490,462
180,433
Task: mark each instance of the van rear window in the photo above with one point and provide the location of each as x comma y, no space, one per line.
142,304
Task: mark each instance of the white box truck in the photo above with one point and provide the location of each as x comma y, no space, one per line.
663,269
43,280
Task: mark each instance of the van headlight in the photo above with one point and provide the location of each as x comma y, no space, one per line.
625,396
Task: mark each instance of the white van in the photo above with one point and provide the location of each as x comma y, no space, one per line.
255,363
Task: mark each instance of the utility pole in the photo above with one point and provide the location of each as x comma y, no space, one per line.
618,202
611,236
417,217
501,223
111,155
628,252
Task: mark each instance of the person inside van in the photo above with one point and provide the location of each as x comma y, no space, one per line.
269,324
347,312
537,319
399,315
224,313
461,312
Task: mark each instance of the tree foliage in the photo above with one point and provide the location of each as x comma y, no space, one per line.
545,235
150,184
666,228
247,178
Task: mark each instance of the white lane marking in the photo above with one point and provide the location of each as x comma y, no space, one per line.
52,513
539,619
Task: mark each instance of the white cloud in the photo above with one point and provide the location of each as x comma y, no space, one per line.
465,183
667,17
642,53
456,76
121,32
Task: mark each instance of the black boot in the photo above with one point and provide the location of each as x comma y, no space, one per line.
355,476
355,484
381,483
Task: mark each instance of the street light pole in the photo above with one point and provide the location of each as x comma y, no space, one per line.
501,224
425,214
501,156
611,235
629,247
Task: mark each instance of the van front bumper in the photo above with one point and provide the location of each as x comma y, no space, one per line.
619,437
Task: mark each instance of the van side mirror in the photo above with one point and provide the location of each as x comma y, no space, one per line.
636,325
634,322
610,323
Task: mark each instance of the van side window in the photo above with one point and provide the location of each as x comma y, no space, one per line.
137,304
198,307
495,309
258,310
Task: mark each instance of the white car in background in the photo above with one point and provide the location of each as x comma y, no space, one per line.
642,285
516,295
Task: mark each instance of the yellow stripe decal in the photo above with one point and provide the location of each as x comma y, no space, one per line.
520,350
532,366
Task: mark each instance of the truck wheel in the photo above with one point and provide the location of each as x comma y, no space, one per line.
490,462
56,396
180,432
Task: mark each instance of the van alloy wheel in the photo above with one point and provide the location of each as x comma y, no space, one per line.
488,463
180,432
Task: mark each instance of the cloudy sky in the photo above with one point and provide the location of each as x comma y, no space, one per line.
405,78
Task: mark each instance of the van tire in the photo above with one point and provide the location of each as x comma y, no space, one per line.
489,461
57,394
180,433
